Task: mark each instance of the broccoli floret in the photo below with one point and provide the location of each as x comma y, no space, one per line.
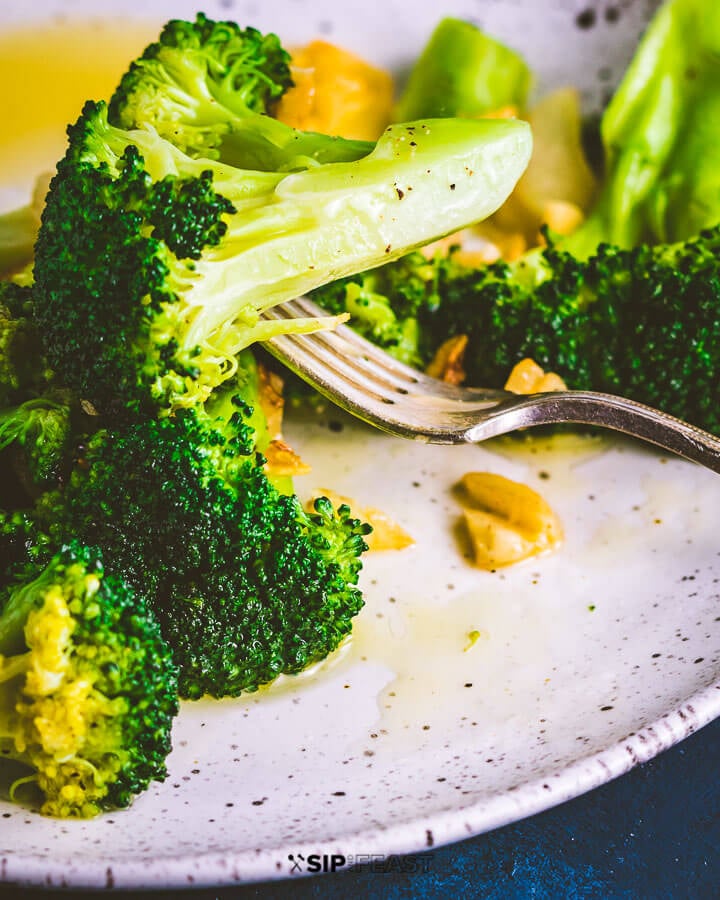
88,689
152,269
40,432
286,603
601,308
643,322
23,369
36,415
245,583
210,87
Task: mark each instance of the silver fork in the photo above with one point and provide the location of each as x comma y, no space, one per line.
369,383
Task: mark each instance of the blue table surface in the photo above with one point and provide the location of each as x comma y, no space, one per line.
653,833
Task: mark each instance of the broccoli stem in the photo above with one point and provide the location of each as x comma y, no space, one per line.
463,72
348,217
174,259
269,145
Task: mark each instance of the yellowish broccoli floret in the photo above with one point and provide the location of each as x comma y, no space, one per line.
88,692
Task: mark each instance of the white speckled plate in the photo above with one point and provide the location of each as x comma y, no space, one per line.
587,661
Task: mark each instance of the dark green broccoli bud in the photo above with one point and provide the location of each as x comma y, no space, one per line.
152,269
210,87
644,323
23,369
245,583
39,431
283,606
88,689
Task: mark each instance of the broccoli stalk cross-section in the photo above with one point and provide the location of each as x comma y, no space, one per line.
152,269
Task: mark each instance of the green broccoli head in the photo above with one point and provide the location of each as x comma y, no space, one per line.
210,88
152,269
641,322
38,435
88,689
238,69
244,582
287,602
115,272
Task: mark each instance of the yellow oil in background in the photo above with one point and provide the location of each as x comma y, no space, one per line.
48,72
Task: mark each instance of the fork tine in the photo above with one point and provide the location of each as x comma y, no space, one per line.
326,367
345,342
387,374
365,381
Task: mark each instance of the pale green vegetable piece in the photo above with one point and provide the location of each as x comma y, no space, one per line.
661,135
463,72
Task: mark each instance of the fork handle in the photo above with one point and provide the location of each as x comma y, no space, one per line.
608,411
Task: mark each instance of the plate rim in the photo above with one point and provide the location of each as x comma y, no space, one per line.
413,836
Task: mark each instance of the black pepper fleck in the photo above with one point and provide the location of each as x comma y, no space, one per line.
586,19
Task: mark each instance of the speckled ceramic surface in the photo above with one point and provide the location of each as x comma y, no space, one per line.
588,661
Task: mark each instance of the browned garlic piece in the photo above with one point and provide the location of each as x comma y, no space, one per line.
447,364
527,377
280,458
506,521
